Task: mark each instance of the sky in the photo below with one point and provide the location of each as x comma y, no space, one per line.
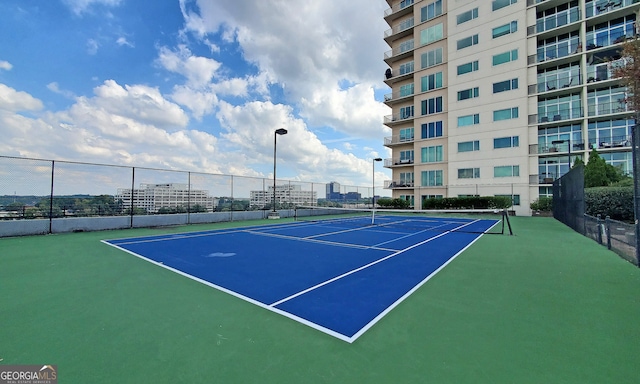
198,85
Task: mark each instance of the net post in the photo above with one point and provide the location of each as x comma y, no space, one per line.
505,217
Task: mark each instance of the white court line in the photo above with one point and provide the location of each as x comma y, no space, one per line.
365,266
326,242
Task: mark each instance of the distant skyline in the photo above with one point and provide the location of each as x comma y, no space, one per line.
197,85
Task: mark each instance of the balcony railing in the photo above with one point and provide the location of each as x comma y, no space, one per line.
398,7
600,7
393,184
562,80
610,142
576,146
558,19
395,96
403,26
558,115
608,108
402,48
392,140
397,162
555,51
396,118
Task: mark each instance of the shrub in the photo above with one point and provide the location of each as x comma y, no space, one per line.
470,202
395,203
543,203
615,202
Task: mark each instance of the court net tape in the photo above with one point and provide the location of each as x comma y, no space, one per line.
486,221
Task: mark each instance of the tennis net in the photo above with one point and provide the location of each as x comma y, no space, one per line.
485,221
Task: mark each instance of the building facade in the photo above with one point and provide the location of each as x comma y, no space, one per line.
500,97
154,197
287,195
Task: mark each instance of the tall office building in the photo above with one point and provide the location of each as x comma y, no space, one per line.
495,97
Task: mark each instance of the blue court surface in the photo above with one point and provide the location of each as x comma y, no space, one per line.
336,277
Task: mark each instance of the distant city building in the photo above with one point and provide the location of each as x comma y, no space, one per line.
153,197
334,194
285,194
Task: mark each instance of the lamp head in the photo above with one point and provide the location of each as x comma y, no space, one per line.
281,131
377,159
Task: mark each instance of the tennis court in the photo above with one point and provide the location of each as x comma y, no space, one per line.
338,275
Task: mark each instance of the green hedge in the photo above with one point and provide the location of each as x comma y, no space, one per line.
473,202
396,203
543,203
615,202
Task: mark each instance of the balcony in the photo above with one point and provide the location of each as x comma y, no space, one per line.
391,98
396,140
397,118
557,115
400,30
600,7
397,162
555,83
557,20
556,51
549,148
403,8
610,142
398,184
403,50
608,108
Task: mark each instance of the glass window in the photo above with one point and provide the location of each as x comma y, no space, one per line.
431,130
466,16
468,67
431,82
469,146
468,173
431,106
505,57
505,29
506,85
431,34
505,114
468,120
506,142
431,154
468,93
506,171
431,10
431,178
467,42
497,4
515,199
431,58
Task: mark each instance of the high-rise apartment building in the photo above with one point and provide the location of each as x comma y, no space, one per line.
499,97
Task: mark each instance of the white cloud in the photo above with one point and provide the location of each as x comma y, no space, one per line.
82,6
308,48
198,70
15,101
5,65
250,128
123,41
92,46
139,102
55,88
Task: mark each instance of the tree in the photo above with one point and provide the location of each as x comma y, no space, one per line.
628,70
597,173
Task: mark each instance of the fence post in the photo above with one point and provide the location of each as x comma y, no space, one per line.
599,221
607,221
133,181
53,166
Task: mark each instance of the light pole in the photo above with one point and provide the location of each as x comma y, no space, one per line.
373,183
280,131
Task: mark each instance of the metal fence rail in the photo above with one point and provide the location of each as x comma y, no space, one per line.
36,194
616,235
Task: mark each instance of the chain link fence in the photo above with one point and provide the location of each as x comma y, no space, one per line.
48,196
569,208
